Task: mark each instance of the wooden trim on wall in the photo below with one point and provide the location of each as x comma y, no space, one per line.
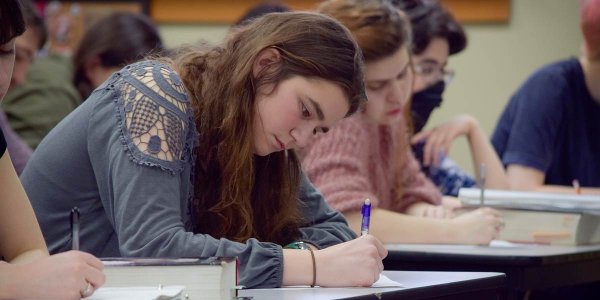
229,11
211,11
479,11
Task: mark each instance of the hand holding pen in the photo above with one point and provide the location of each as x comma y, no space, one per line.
89,287
60,276
68,275
357,262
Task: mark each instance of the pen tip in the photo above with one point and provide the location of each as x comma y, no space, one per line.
367,201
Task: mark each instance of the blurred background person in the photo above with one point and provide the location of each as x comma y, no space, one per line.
27,46
436,36
58,84
549,133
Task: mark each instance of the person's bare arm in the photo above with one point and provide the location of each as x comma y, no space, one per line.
354,263
530,179
477,227
441,138
483,152
21,239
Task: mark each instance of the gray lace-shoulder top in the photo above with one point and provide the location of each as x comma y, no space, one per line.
125,158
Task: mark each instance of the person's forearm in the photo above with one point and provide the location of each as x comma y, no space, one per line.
483,152
20,235
391,227
297,267
523,178
7,289
29,256
568,189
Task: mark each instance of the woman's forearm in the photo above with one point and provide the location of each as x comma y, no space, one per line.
297,267
483,153
392,227
20,236
30,255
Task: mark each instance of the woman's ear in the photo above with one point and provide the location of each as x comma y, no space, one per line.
265,58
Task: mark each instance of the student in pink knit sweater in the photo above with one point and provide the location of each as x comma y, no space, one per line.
368,154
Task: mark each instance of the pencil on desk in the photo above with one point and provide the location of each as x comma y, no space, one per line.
577,186
75,228
482,184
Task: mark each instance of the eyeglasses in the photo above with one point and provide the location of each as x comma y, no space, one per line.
432,74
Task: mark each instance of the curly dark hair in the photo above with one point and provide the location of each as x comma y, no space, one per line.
429,19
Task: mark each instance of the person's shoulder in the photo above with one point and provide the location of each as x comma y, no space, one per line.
557,72
350,135
357,125
48,67
156,117
548,85
156,81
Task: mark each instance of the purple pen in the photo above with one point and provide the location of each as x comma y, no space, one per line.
366,217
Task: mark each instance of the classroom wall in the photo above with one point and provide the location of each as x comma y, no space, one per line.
498,58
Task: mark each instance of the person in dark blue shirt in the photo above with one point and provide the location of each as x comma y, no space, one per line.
549,133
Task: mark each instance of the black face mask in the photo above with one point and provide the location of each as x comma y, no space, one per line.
424,102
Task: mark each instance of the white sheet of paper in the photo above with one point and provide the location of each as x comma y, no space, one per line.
505,244
136,293
385,281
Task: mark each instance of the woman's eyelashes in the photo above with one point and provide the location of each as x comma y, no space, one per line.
402,74
375,86
305,112
320,130
7,52
307,115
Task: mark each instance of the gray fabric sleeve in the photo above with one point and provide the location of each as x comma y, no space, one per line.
324,226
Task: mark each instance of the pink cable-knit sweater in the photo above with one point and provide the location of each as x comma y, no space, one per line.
357,159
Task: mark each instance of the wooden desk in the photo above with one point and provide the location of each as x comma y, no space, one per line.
417,285
527,267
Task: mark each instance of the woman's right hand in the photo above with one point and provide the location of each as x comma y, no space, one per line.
354,263
479,226
61,276
439,139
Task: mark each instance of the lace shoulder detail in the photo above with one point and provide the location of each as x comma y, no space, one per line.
155,116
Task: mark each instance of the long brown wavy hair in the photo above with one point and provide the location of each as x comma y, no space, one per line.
239,195
380,29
